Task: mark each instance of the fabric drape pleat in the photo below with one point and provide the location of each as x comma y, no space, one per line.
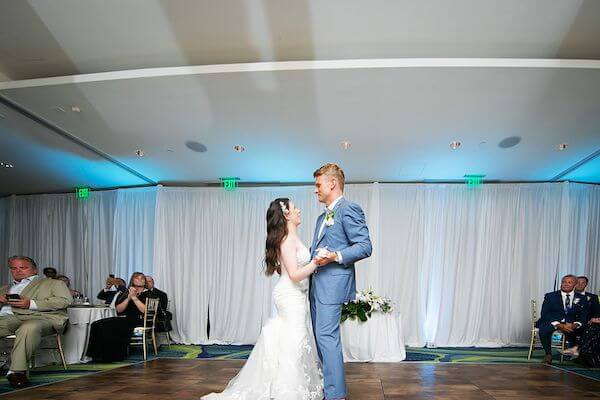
460,264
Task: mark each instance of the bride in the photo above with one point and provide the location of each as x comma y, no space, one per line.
284,364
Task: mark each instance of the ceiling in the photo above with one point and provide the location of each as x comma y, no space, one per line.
289,81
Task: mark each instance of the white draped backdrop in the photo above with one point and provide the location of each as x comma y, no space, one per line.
460,264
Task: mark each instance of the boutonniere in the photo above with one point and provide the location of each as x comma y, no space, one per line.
589,298
329,218
575,301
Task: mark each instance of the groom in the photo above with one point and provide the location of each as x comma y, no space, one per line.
341,238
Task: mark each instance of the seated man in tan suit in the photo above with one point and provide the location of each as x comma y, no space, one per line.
32,307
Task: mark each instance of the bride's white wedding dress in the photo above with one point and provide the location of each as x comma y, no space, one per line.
284,364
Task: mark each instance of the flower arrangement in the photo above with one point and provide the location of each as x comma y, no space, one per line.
365,304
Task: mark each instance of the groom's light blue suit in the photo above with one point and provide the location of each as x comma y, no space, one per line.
334,284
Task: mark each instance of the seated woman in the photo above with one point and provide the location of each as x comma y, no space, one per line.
588,350
109,337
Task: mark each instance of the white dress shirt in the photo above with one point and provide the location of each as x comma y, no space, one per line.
113,303
564,303
564,299
328,209
17,288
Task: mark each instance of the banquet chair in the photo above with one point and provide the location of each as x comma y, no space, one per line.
49,342
166,333
143,335
558,338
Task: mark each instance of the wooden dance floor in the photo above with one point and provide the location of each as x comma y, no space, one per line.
189,379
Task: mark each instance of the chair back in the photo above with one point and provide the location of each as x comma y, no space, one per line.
533,313
150,313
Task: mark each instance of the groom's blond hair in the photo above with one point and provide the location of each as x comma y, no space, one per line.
333,170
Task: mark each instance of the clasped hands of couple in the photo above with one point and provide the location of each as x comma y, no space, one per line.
324,257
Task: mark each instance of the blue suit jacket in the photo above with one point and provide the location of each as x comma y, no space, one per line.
335,283
553,309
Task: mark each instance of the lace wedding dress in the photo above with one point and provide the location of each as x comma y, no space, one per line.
284,364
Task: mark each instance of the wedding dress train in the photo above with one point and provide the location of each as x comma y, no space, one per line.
284,364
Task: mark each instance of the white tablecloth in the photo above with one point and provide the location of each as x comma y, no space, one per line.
76,338
379,339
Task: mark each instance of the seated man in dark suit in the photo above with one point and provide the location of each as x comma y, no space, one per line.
592,299
113,286
563,310
164,316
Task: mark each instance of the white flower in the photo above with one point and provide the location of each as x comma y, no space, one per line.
284,208
375,301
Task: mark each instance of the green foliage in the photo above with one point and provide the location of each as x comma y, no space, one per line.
365,304
354,310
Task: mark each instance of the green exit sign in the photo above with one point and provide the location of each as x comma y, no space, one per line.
474,180
229,183
82,192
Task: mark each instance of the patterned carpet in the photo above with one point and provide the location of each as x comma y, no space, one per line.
54,373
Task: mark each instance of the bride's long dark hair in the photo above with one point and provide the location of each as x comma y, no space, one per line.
276,232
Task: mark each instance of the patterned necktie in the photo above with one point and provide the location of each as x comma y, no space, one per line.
568,303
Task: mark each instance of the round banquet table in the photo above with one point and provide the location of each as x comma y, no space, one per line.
75,339
379,339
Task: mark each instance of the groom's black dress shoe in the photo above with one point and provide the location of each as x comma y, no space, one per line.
17,380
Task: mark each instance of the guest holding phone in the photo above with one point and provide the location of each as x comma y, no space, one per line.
113,286
31,308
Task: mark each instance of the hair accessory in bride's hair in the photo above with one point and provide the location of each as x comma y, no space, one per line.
284,209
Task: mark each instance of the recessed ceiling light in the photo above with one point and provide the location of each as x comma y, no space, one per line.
239,148
75,109
346,144
563,146
509,142
6,165
140,153
455,145
195,146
